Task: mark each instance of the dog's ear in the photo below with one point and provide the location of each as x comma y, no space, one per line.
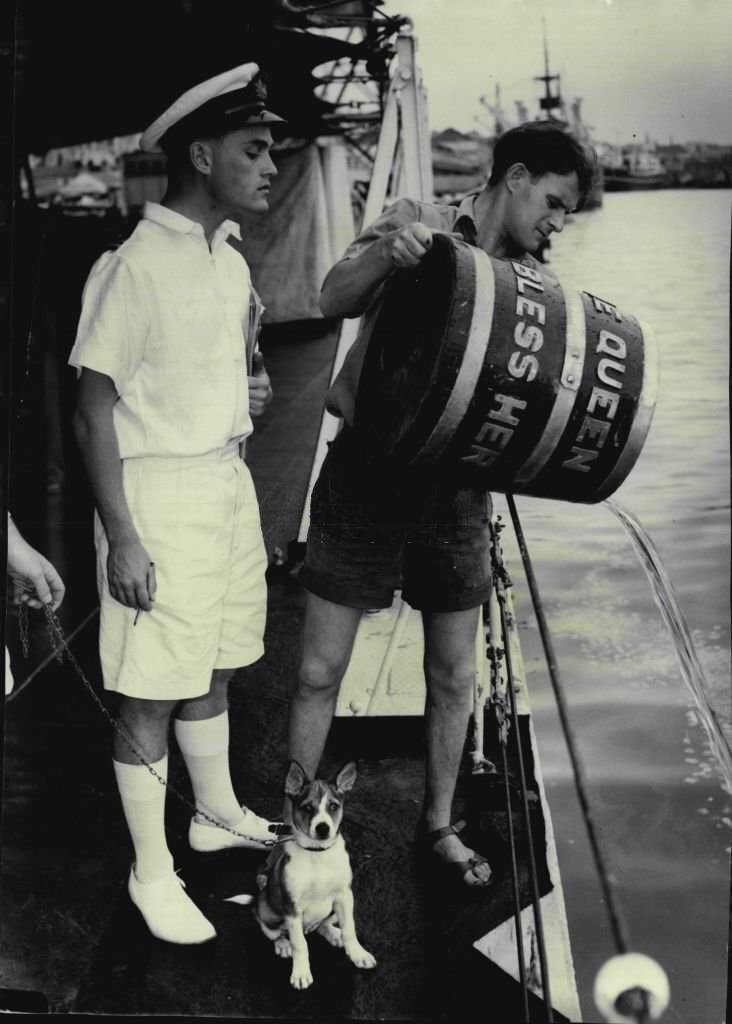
346,777
296,779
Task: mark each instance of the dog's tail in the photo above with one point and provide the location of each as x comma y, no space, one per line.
244,899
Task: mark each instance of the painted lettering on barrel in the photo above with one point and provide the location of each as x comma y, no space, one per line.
581,459
496,431
503,417
604,400
527,277
523,366
529,307
614,346
526,334
594,430
505,411
606,307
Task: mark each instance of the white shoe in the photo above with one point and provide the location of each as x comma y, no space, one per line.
252,831
169,913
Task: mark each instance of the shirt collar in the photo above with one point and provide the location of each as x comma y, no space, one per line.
175,221
465,219
466,223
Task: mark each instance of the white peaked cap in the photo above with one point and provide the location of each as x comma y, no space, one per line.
247,109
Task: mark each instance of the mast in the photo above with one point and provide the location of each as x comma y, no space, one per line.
550,101
500,124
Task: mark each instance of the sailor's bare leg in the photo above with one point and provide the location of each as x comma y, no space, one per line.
328,636
449,666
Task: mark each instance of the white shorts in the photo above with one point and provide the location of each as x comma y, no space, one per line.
198,519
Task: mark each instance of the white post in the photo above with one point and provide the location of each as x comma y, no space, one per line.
404,143
416,180
337,187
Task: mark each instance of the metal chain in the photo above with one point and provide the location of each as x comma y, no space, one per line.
61,647
23,628
497,653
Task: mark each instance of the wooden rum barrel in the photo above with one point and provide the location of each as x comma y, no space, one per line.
489,366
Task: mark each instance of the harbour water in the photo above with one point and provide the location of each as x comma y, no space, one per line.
664,815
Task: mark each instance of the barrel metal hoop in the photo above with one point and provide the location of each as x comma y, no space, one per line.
471,367
574,361
642,422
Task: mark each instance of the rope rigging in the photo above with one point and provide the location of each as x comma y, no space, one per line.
507,716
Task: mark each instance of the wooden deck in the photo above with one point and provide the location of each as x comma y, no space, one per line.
71,940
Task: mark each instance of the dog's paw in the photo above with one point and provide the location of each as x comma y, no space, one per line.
360,956
283,946
301,976
332,933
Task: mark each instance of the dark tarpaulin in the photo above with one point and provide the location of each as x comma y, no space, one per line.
87,71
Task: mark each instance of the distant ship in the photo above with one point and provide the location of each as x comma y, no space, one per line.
552,101
553,109
635,167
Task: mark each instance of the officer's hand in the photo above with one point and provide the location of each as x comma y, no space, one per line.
131,574
410,244
35,581
260,392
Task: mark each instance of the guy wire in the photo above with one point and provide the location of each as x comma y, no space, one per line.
617,925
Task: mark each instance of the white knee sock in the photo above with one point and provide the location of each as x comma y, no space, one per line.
143,803
205,749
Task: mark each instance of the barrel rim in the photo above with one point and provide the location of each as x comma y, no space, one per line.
365,419
643,418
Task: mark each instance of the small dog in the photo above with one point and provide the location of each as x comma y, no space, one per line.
306,883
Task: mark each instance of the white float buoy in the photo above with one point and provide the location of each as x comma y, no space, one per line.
628,984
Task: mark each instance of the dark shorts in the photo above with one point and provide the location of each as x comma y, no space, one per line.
372,533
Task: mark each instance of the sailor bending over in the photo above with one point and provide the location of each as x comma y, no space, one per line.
372,532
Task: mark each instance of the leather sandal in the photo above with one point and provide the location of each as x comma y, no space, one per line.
457,869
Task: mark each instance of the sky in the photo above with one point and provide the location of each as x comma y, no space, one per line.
656,68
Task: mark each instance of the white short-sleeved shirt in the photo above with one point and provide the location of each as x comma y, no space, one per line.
166,319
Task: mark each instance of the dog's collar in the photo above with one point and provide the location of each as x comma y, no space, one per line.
313,849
